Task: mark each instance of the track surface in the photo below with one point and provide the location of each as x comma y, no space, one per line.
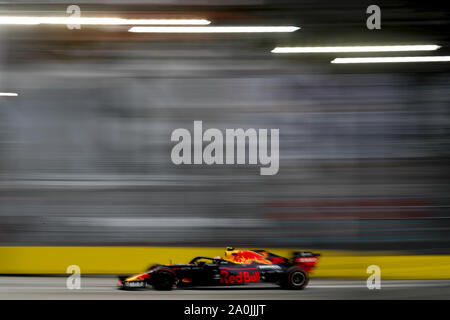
39,288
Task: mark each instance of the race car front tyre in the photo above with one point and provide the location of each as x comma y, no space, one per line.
163,279
295,278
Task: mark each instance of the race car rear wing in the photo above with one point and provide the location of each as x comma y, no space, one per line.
306,259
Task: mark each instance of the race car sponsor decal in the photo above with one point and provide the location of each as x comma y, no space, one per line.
306,259
269,267
134,284
239,276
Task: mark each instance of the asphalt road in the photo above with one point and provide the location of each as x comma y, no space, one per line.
12,287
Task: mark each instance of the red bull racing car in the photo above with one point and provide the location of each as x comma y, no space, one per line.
238,267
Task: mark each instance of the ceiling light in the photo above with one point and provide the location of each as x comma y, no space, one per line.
98,21
216,29
392,59
355,49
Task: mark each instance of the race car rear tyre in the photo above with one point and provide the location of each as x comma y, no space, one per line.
163,279
296,278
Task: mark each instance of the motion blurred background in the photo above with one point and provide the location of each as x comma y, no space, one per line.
364,148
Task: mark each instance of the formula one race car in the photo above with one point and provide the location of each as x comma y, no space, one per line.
238,267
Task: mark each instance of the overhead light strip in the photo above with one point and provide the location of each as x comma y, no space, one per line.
215,29
19,20
428,47
392,59
8,94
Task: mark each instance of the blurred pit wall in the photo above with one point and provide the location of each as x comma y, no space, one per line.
125,260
